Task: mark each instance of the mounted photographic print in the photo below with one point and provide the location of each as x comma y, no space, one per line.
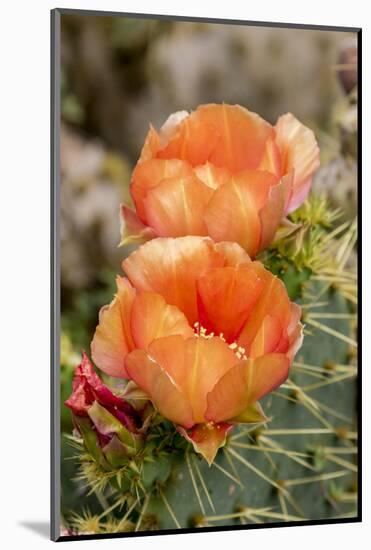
206,178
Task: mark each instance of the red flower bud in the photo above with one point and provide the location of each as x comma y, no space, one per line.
110,426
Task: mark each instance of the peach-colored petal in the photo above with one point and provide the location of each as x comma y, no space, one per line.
244,384
242,135
295,316
112,339
212,176
207,439
273,301
170,267
194,364
161,389
295,342
170,126
225,298
271,161
132,230
294,331
291,338
229,136
151,145
267,338
206,360
266,373
233,254
274,209
176,207
169,353
152,317
233,212
193,141
148,175
299,153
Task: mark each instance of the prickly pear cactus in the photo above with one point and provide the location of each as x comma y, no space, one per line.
299,465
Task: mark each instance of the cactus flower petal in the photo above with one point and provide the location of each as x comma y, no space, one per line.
112,339
273,301
268,337
152,317
273,212
228,136
207,438
192,140
299,153
132,321
233,211
176,207
233,254
148,175
245,384
226,296
190,366
166,396
88,388
132,229
170,267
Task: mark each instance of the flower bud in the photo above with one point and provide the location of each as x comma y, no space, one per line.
112,429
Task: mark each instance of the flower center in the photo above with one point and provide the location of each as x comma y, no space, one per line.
201,332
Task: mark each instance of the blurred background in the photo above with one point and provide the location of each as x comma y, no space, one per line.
120,74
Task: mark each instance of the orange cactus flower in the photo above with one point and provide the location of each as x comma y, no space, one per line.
203,330
220,171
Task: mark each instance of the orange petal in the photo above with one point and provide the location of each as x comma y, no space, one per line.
299,153
242,135
212,176
132,230
271,161
207,439
151,145
171,267
206,361
152,317
244,384
169,128
295,342
295,316
112,339
233,212
294,332
169,353
148,175
193,141
274,210
195,365
273,301
267,338
163,392
176,207
233,254
226,296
